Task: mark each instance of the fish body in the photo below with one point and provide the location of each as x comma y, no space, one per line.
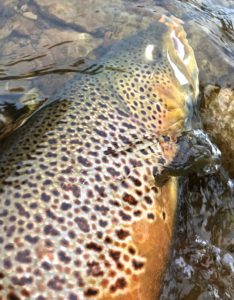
81,216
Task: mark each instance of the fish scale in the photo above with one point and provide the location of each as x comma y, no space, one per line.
81,215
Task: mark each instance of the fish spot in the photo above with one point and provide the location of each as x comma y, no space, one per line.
75,191
40,298
46,266
131,250
103,223
31,239
25,293
23,256
93,269
129,199
7,263
91,292
12,296
21,280
45,197
115,255
50,230
158,107
120,283
150,216
101,133
65,206
148,200
84,161
124,216
113,172
94,246
137,264
136,181
82,224
122,234
64,257
56,283
73,296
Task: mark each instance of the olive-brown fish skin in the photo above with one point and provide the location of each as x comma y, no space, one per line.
81,216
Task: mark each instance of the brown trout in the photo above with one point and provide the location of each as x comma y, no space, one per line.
81,216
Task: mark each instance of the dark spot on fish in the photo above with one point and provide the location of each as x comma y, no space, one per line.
40,298
24,256
52,141
31,239
49,229
105,97
21,280
82,224
103,223
72,234
12,296
101,133
148,200
7,263
131,250
64,257
46,266
122,234
94,269
136,181
91,292
9,247
119,284
115,255
113,172
45,197
108,240
25,293
94,246
124,216
137,264
158,107
137,213
150,216
75,190
84,161
129,199
56,283
73,296
65,206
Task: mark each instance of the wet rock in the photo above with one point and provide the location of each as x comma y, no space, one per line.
91,15
214,65
218,115
30,15
112,19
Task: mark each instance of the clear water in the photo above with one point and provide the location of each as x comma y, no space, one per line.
43,43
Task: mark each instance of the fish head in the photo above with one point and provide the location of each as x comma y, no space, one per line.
157,75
